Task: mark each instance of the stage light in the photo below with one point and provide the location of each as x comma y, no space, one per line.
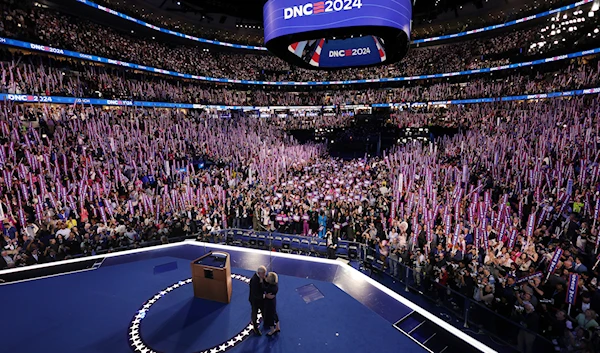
591,14
596,30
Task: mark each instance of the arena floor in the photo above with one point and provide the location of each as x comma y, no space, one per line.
93,310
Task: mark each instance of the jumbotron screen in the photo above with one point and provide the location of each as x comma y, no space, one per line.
338,33
334,53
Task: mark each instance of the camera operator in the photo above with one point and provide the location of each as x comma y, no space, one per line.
505,296
419,263
428,272
332,243
484,293
394,256
466,282
557,326
442,283
524,296
535,284
530,320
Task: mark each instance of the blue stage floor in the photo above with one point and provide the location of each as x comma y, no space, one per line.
91,311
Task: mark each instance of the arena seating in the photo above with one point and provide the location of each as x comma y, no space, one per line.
499,212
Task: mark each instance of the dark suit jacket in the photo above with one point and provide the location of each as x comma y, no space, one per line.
3,264
32,261
257,290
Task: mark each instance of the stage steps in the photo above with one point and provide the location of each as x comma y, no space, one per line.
430,336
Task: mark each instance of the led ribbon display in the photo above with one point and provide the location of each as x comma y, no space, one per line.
24,98
95,58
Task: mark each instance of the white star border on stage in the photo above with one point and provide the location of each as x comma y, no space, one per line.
139,346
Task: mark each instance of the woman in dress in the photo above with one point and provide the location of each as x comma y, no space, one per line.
322,224
270,304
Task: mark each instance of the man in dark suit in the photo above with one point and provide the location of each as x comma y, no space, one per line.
257,295
332,243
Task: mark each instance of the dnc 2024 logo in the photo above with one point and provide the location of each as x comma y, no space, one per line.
321,7
342,53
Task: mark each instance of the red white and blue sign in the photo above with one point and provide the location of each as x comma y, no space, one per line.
331,53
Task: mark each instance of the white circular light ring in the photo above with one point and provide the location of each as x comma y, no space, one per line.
137,344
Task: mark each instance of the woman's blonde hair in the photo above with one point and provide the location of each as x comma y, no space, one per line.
272,278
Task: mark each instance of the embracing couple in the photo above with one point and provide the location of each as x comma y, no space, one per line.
263,297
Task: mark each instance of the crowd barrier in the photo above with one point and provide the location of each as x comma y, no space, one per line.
95,58
416,41
284,242
475,316
26,98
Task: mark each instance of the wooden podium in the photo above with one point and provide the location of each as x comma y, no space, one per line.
211,277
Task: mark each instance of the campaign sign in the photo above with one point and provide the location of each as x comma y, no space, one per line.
529,277
555,259
572,288
512,238
530,225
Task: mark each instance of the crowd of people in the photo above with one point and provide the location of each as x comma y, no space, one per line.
490,204
504,211
422,28
96,176
27,74
62,31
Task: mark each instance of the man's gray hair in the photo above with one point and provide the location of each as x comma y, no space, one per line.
262,269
